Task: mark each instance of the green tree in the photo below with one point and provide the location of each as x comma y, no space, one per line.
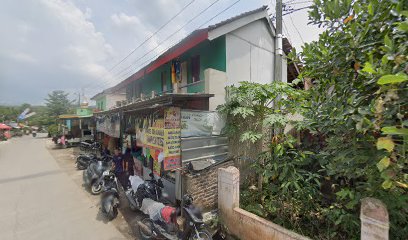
359,105
58,103
356,121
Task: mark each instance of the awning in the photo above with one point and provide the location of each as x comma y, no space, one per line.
73,116
179,100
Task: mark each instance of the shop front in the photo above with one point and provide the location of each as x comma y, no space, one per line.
164,135
108,129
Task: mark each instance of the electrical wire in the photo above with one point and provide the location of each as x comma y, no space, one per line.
297,30
157,55
168,37
151,36
174,33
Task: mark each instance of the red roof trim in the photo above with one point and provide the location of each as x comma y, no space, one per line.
184,47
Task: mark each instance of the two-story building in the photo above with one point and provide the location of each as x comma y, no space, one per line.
171,102
108,99
238,49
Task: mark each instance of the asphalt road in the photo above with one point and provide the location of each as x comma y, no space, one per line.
39,200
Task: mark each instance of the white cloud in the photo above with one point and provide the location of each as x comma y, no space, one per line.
123,20
23,57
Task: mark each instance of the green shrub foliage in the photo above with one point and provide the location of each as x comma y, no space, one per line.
353,140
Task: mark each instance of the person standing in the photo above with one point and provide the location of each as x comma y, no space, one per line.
128,162
119,168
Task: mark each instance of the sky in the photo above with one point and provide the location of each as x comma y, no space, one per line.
76,45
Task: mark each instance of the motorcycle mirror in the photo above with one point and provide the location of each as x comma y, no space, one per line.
151,175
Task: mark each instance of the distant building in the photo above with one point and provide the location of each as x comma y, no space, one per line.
108,99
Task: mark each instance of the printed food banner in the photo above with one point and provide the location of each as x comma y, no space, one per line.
172,134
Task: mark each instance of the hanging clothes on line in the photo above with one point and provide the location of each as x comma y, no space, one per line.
177,68
173,73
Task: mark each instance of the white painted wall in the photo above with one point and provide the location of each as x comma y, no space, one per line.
112,98
250,54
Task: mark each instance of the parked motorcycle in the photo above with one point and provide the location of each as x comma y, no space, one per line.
148,189
163,223
84,160
89,146
110,195
92,174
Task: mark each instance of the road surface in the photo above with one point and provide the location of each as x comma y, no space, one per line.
38,199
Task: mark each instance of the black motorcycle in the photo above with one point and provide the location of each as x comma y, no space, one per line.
149,189
84,160
110,195
87,146
93,173
193,227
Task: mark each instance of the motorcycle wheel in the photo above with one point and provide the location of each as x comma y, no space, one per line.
203,234
96,188
80,166
113,212
146,232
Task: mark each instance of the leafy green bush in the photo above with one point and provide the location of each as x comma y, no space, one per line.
53,130
355,130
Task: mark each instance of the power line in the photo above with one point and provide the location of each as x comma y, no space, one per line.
147,39
297,30
295,10
151,36
178,30
230,6
157,55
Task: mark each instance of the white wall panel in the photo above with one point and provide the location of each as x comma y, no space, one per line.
250,55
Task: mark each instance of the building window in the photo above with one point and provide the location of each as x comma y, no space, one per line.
195,68
163,82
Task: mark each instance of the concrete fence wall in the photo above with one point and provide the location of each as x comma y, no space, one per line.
248,226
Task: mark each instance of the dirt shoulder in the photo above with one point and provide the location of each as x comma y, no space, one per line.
126,221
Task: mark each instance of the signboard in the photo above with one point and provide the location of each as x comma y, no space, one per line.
154,137
196,123
172,134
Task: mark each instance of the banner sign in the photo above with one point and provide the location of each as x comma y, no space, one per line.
196,123
154,137
23,114
29,115
109,124
172,135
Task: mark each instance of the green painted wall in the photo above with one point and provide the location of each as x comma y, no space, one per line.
101,103
84,111
212,55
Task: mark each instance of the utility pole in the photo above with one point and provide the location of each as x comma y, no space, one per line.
278,42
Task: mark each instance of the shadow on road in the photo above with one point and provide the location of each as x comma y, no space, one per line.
36,175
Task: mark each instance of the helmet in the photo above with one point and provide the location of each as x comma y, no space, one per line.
187,200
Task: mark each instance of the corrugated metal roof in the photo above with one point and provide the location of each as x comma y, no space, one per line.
214,26
183,41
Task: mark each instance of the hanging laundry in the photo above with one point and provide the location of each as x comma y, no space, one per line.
173,73
178,70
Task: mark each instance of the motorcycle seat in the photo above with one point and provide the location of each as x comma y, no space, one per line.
193,217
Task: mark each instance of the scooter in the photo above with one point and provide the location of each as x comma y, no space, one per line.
163,223
92,174
148,189
110,195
